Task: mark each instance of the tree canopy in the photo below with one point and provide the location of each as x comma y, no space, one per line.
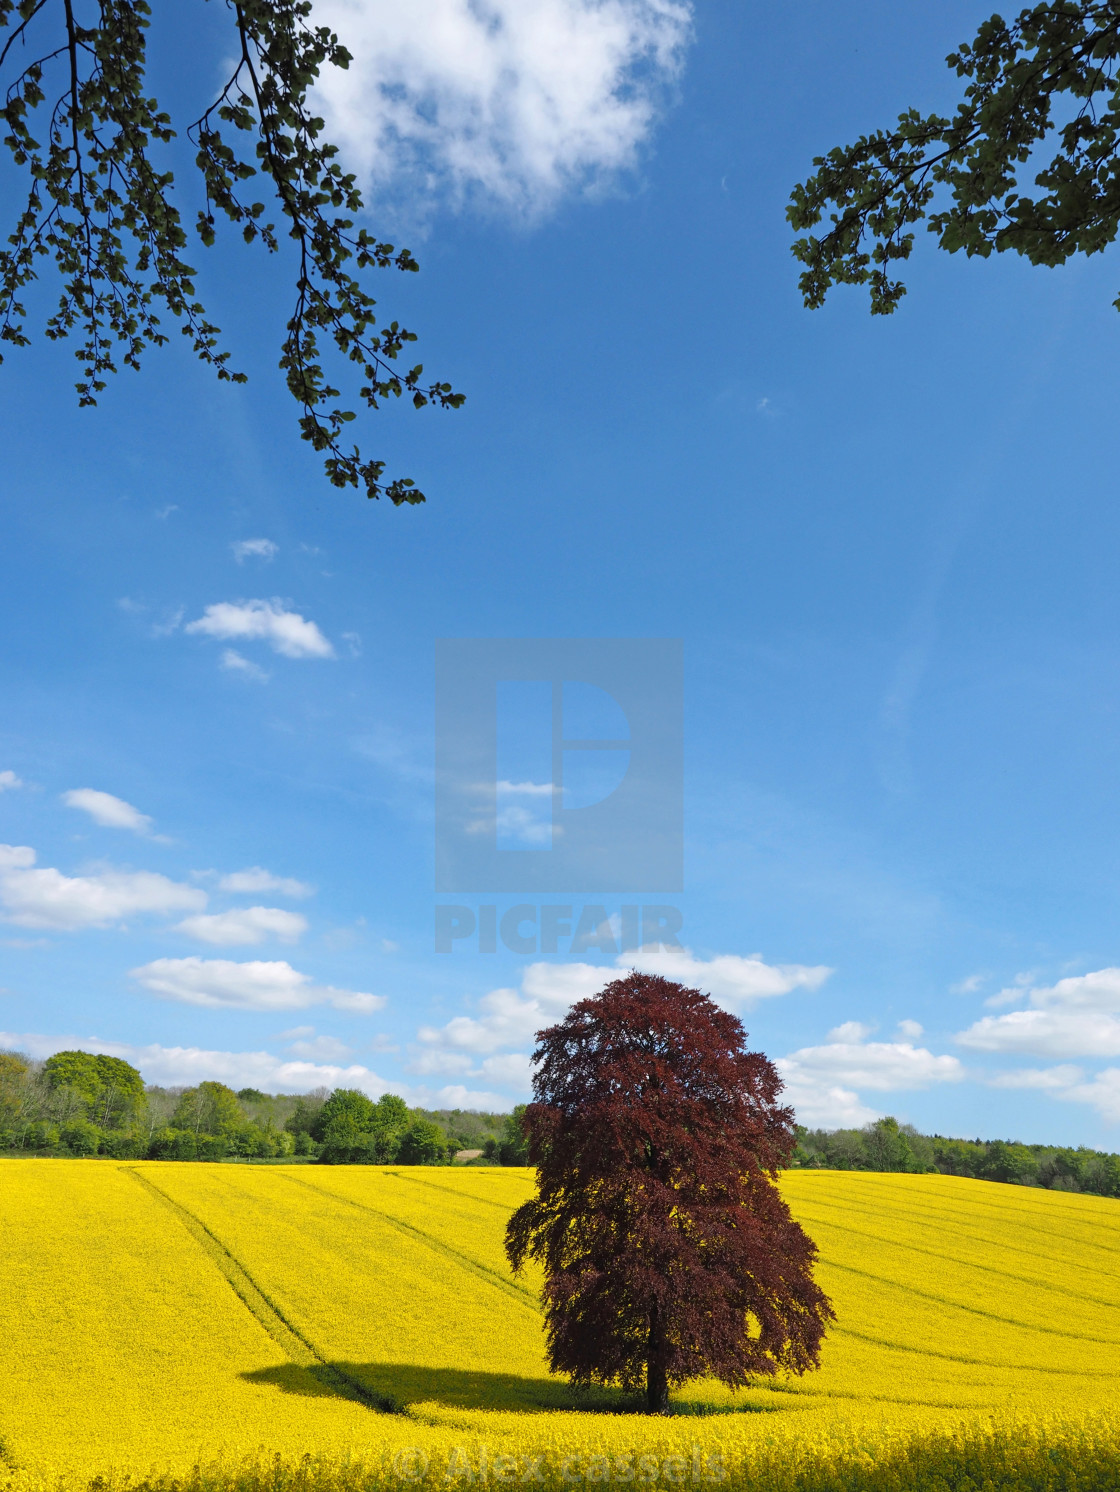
667,1249
95,148
1047,80
110,1088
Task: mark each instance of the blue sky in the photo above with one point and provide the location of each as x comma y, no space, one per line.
888,546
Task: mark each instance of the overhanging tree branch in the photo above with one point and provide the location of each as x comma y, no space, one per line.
101,209
1055,54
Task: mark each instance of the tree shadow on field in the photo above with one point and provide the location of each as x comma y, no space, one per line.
395,1387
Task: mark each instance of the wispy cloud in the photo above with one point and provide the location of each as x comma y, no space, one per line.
234,662
263,549
108,811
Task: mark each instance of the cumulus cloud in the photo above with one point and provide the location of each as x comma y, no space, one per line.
911,1029
46,898
516,103
245,925
234,662
512,1017
8,781
1069,1084
256,879
478,1045
729,979
286,632
1076,1017
254,985
823,1082
1045,1033
109,812
245,549
824,1105
882,1066
1101,1092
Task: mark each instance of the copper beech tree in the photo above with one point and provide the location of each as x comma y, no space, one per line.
668,1251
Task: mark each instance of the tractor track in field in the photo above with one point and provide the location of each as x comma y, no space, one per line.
448,1191
956,1305
283,1332
484,1272
918,1248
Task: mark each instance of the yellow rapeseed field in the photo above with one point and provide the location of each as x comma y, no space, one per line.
156,1318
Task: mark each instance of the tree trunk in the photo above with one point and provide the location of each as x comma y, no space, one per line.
657,1381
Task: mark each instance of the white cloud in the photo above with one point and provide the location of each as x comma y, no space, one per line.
728,978
245,925
320,1049
263,549
513,102
47,898
16,856
109,812
1042,1079
476,1045
9,780
286,632
822,1082
823,1105
256,878
254,985
234,662
1068,1083
882,1066
511,1017
911,1029
967,986
850,1031
1076,1017
1101,1093
1045,1033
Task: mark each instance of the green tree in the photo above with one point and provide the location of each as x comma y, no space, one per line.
80,1136
513,1147
392,1112
1004,1161
100,204
348,1111
111,1089
1047,80
423,1144
209,1109
886,1147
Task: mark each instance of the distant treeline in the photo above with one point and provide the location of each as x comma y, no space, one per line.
78,1103
82,1104
887,1145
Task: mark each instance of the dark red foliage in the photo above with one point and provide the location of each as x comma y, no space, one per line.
668,1251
